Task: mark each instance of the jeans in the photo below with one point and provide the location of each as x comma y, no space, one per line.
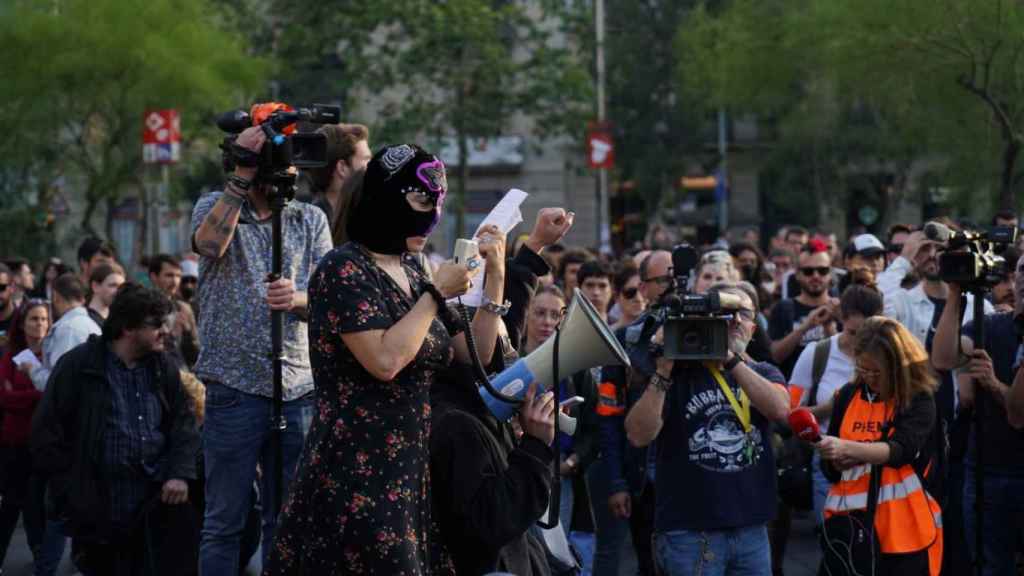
236,437
51,550
819,490
1003,520
610,531
735,552
565,505
16,498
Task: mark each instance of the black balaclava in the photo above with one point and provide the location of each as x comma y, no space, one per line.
383,219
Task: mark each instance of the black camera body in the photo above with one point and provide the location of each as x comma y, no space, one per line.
281,152
694,326
973,259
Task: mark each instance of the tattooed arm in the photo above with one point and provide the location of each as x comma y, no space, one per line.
214,234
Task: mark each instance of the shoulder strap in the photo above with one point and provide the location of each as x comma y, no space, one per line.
821,352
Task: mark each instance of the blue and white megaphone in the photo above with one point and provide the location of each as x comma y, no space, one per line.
585,341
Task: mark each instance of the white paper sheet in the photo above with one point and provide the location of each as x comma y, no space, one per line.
26,356
505,215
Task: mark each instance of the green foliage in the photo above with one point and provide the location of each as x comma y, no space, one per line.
462,68
79,75
890,81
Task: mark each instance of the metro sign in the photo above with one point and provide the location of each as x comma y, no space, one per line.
600,149
161,137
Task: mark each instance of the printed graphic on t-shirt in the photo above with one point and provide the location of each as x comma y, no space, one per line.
812,335
721,445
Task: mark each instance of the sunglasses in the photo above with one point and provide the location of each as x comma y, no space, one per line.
630,293
812,270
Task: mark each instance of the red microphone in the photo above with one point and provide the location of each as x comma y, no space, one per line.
805,425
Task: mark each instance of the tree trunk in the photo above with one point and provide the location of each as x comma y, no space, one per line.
1007,197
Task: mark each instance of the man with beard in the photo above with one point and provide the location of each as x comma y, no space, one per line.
165,273
712,422
116,436
919,310
797,322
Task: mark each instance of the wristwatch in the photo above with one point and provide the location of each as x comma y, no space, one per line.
731,363
495,308
239,182
660,382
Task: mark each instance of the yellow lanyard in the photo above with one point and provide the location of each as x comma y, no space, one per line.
741,408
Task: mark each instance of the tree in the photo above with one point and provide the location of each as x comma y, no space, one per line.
462,68
927,80
80,74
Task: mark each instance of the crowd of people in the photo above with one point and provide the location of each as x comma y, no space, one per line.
136,416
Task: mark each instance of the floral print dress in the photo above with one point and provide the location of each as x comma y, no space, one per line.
360,502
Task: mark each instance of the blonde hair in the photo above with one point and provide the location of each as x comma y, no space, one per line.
905,369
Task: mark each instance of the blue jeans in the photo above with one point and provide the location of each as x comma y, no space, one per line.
610,532
565,505
736,552
51,550
236,436
1004,520
819,490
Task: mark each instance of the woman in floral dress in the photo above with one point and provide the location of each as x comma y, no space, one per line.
379,336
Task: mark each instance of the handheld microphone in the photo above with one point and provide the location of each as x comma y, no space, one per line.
805,425
938,232
234,122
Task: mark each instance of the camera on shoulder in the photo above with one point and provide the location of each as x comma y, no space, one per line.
972,259
284,148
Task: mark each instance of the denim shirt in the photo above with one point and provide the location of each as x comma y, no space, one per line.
234,326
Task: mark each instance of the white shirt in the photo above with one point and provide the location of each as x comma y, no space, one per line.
73,328
838,371
913,308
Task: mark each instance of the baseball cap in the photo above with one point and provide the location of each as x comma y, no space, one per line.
189,269
865,245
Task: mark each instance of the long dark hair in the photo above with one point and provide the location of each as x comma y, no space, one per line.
18,341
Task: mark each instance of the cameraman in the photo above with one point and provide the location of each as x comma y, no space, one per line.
232,234
714,444
991,367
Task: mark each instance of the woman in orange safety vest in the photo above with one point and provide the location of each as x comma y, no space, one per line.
886,417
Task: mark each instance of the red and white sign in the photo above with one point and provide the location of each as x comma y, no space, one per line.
161,137
600,149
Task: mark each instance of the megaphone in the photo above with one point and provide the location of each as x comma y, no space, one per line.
585,341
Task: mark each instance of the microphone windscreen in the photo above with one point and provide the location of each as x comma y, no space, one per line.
804,425
234,121
937,232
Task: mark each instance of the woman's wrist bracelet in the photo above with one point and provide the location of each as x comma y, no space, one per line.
660,382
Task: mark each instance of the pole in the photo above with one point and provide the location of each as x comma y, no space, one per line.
723,171
277,420
603,217
979,443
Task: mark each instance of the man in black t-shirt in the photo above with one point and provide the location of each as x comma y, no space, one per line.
986,372
715,480
797,322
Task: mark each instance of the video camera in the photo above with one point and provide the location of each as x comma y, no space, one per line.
981,264
696,325
284,148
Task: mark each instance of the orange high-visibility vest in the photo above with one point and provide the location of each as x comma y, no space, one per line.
907,518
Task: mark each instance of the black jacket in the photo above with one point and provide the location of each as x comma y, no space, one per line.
68,428
487,491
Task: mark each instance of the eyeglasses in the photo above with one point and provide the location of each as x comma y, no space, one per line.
553,315
630,293
158,323
867,373
744,314
812,270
